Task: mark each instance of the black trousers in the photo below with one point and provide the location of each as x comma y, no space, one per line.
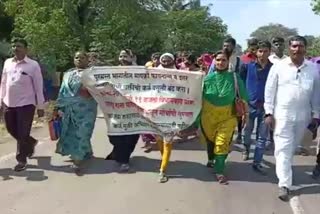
18,121
123,146
239,119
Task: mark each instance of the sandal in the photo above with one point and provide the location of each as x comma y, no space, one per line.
163,178
222,179
210,164
303,152
148,149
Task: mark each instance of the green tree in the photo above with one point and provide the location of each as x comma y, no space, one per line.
314,49
316,6
56,29
272,30
192,30
6,23
310,39
176,5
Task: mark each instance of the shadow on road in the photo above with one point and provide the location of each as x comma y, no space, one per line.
190,145
176,169
8,174
309,190
96,165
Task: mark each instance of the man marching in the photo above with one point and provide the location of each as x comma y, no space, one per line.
21,92
292,101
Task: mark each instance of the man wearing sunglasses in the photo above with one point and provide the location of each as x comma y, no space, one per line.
292,102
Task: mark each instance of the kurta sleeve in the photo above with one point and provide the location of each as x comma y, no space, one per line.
315,99
271,90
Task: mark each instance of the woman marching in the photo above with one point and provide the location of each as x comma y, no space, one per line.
218,116
78,110
167,61
123,145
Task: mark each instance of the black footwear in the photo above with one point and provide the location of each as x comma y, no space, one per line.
259,169
210,164
284,194
245,155
20,167
110,156
316,171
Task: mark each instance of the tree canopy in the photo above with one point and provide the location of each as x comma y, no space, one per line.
268,31
56,29
316,6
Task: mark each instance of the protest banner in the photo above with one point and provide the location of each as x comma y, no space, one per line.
140,100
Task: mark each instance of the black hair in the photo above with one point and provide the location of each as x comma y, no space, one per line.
222,52
156,55
299,39
192,58
231,41
253,42
20,40
277,39
264,44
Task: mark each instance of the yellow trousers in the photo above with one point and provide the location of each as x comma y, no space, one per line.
218,124
165,150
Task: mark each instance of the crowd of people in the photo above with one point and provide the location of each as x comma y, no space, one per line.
280,93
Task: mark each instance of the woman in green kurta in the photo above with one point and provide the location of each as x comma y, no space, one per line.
218,116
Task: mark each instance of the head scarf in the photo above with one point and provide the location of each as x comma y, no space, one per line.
168,55
206,59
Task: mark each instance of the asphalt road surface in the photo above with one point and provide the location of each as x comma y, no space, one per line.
49,185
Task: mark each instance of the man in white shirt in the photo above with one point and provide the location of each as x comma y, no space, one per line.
278,48
229,46
292,102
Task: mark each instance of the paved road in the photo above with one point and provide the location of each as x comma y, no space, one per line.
50,187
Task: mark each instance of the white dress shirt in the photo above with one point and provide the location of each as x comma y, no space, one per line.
293,93
273,58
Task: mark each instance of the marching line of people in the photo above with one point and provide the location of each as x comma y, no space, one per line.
281,92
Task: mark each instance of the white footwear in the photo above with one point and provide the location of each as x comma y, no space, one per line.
163,178
124,168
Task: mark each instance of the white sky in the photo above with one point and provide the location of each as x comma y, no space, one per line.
245,16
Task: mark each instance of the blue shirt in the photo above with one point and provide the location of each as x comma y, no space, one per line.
255,78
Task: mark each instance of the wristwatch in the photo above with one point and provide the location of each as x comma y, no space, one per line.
267,115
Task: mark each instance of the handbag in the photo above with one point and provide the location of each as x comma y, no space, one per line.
240,105
55,128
